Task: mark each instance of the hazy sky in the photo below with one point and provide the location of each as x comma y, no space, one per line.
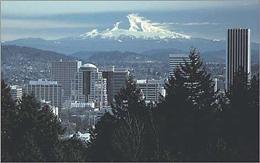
57,19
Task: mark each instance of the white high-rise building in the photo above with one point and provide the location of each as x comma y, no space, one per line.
46,91
238,53
175,60
16,92
88,85
151,89
63,72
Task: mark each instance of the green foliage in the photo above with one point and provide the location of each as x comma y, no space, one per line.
240,121
120,137
71,150
101,140
192,123
186,113
8,111
129,99
30,133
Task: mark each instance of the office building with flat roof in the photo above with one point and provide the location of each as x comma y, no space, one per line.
46,91
238,54
16,92
176,60
63,72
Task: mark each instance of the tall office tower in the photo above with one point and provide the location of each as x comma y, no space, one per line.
108,74
151,89
116,79
238,53
119,80
88,85
16,92
46,90
175,60
77,88
63,72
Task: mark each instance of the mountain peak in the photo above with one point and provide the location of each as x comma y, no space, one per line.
139,28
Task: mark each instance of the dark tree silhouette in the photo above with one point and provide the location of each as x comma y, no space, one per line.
241,118
186,113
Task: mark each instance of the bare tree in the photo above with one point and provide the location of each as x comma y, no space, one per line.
128,137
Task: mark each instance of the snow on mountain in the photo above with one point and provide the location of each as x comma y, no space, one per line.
139,28
90,34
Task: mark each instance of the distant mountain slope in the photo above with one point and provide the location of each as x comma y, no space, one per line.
21,64
142,35
84,55
30,54
162,54
220,56
116,56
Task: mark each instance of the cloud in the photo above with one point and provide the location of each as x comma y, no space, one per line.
192,23
204,23
43,24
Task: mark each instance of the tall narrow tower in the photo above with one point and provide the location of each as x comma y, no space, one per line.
238,54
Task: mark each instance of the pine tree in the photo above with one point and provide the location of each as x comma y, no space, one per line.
100,143
241,117
129,99
71,150
8,113
133,114
186,113
28,149
29,133
120,137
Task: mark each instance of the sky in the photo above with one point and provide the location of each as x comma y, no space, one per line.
58,19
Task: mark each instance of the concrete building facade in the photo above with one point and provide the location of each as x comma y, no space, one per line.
88,85
16,92
63,72
46,90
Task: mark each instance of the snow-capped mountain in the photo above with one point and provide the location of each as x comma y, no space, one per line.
140,35
139,28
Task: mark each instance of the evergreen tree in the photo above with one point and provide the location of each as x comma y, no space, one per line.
100,144
29,133
8,113
133,117
120,137
72,149
187,112
129,100
241,118
28,149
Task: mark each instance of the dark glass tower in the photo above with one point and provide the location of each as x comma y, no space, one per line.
238,53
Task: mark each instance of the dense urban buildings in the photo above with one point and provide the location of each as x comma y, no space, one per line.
176,60
238,53
46,91
63,72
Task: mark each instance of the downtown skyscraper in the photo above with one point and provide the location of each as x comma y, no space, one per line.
238,54
63,72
